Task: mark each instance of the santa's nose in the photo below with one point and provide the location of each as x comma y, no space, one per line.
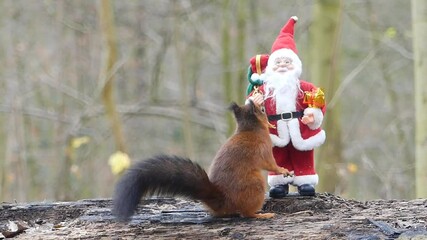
282,64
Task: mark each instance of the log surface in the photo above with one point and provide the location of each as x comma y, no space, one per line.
324,216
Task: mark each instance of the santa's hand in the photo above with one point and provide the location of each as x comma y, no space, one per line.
308,119
257,98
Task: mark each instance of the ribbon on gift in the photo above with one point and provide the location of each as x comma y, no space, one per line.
315,98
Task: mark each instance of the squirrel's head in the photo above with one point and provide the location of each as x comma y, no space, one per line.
249,116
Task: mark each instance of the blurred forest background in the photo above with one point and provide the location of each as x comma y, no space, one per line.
81,80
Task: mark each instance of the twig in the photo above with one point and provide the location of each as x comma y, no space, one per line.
347,80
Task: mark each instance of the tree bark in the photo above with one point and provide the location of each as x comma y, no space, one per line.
419,30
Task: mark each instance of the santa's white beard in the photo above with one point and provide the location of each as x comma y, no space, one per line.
285,85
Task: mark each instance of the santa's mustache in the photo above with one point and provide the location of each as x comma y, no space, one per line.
281,82
282,69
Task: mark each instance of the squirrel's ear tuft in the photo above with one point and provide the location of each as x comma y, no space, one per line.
234,107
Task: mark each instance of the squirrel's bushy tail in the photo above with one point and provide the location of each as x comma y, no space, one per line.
164,176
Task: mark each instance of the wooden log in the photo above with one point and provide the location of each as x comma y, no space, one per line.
324,216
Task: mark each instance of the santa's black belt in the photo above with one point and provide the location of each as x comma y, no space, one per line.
285,116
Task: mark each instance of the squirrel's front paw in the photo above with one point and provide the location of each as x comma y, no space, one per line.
285,172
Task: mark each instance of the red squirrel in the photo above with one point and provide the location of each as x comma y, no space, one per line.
234,186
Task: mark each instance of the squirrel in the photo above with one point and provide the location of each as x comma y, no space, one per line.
234,186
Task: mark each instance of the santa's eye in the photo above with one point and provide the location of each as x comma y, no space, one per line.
263,109
283,60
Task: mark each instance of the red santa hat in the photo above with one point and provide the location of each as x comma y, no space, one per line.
284,45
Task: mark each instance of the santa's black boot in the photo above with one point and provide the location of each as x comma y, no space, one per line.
279,191
306,190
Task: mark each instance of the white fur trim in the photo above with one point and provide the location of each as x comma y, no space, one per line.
286,52
304,144
283,138
255,76
274,180
318,117
306,179
279,142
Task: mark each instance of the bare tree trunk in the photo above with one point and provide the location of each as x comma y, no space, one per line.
107,74
16,182
226,62
419,30
254,23
3,121
325,49
182,59
14,163
158,66
64,184
3,169
242,62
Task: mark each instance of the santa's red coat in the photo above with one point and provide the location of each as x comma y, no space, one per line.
303,137
293,140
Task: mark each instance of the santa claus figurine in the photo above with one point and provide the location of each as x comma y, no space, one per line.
295,109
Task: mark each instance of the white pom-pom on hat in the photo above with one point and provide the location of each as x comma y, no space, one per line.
295,18
255,76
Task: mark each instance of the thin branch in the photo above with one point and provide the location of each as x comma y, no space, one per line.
349,78
386,41
69,91
207,118
396,47
39,113
103,78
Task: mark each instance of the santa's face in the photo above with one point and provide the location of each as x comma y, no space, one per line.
282,65
282,78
